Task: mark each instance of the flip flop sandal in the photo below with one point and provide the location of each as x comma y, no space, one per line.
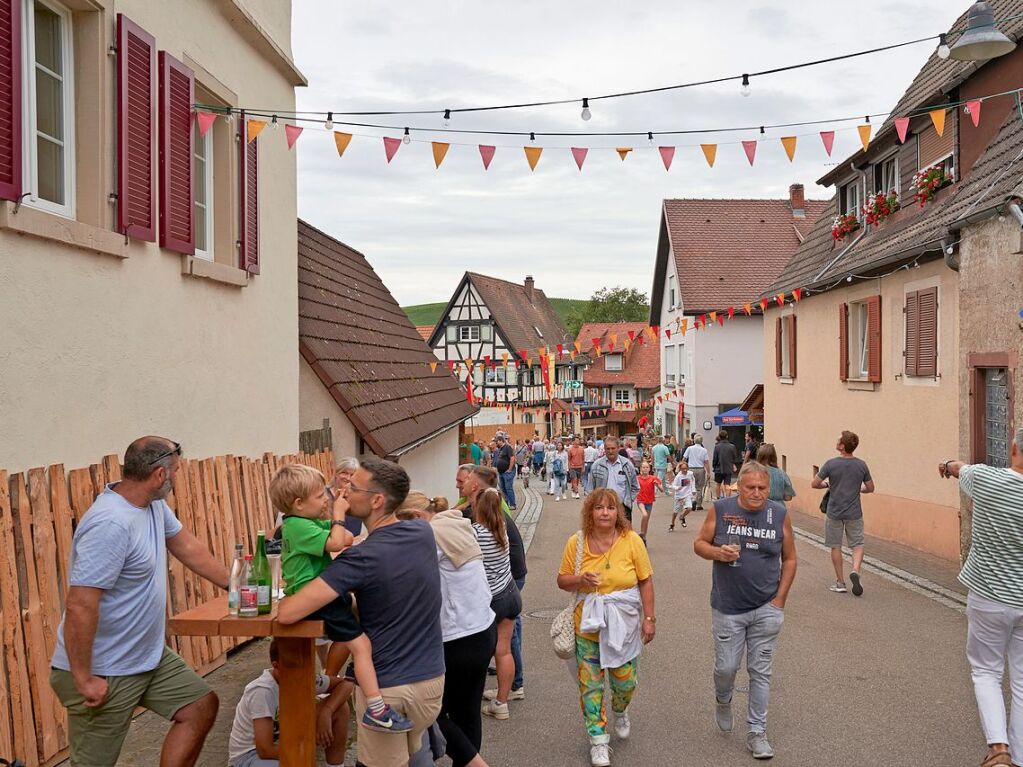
1001,759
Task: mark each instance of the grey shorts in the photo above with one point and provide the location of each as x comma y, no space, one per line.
833,529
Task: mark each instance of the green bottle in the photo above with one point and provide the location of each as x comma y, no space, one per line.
259,575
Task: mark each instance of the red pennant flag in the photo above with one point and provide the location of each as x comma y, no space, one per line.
750,148
390,149
610,346
451,365
487,153
632,335
656,331
596,342
667,155
901,126
579,153
523,354
703,319
973,107
780,298
667,332
721,320
292,132
640,340
205,120
763,304
797,294
828,137
561,351
731,312
486,360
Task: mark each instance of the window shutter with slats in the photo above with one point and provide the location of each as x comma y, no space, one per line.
912,332
791,351
177,92
927,354
931,146
10,99
777,347
136,124
248,176
874,339
843,342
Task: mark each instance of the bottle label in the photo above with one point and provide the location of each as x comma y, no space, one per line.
264,595
232,600
247,598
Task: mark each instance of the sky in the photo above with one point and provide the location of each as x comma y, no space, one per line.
575,231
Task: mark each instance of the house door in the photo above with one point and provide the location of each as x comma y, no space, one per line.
996,416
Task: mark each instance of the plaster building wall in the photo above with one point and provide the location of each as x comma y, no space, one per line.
431,466
727,363
315,404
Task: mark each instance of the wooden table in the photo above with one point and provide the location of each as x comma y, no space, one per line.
297,663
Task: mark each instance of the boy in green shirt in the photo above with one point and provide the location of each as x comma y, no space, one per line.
299,493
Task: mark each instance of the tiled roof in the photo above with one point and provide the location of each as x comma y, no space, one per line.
366,351
642,367
425,331
520,317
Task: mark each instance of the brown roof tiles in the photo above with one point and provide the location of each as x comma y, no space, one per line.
527,323
642,362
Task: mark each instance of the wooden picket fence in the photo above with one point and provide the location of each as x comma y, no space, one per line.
222,500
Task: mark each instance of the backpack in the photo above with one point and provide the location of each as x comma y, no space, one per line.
558,467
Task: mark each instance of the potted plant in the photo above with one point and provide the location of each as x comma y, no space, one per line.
928,181
880,206
843,225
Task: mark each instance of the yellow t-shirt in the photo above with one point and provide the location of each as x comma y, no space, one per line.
624,566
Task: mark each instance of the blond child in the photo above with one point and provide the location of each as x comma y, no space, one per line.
299,493
684,485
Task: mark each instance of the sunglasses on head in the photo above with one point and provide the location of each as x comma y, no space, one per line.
176,450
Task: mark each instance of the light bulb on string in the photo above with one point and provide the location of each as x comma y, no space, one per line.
273,122
586,114
650,138
329,125
745,90
532,137
943,49
849,278
406,139
447,117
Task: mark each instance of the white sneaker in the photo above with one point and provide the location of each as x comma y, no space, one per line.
622,725
519,694
557,498
600,753
838,587
496,710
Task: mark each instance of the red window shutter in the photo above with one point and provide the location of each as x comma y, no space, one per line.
248,176
777,347
843,342
874,339
912,332
10,99
792,345
177,92
136,131
927,354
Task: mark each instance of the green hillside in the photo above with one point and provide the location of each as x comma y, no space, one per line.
428,314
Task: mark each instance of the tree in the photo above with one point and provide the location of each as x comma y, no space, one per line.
615,304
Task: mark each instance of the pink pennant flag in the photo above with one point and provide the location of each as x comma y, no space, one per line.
667,155
750,148
901,126
579,153
828,137
206,120
391,147
974,109
292,132
487,153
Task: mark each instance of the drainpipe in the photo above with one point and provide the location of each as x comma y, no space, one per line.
863,176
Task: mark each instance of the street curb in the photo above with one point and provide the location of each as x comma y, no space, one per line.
528,516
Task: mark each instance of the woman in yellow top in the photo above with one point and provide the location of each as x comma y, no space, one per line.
614,615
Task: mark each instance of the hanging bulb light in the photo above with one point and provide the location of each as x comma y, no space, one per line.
532,137
745,90
982,40
586,114
650,138
273,122
447,117
943,49
329,125
406,139
849,278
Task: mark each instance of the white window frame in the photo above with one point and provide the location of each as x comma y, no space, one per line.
671,292
670,364
949,161
29,161
786,363
619,361
207,184
858,329
619,399
469,336
843,198
497,375
681,362
890,179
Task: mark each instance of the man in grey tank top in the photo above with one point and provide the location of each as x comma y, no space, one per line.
749,539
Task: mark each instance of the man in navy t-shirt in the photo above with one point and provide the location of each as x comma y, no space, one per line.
396,581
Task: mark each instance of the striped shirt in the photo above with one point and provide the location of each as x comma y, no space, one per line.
994,566
496,561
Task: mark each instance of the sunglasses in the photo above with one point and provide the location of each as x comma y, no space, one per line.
176,450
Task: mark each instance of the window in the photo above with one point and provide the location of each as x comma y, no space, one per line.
497,375
921,352
48,107
623,396
670,364
202,185
933,149
785,346
468,332
849,199
671,291
613,362
886,176
681,363
860,340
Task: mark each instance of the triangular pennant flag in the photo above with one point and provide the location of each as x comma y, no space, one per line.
864,131
626,342
938,118
486,360
748,308
433,367
451,365
632,335
973,107
504,359
253,128
789,142
596,343
611,346
523,354
469,362
391,147
578,346
654,331
292,132
667,155
623,151
828,138
440,149
713,316
780,298
487,153
561,351
613,337
763,304
205,120
533,155
579,153
542,351
703,320
721,320
750,148
710,151
797,294
731,312
667,333
901,126
683,327
571,353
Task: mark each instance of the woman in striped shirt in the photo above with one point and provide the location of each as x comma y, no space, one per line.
492,534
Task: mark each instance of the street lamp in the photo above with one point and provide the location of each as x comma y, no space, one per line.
982,39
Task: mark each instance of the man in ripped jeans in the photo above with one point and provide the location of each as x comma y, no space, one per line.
749,539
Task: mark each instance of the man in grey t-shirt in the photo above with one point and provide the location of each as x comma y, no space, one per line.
846,478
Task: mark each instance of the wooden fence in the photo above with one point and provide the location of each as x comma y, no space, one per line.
222,500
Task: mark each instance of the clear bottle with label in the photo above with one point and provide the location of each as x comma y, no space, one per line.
235,584
248,596
259,574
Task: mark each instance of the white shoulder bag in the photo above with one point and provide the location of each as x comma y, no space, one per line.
563,627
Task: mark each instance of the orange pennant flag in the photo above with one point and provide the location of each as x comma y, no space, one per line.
683,326
652,331
623,151
864,131
542,351
433,367
626,343
468,362
789,142
342,140
938,118
780,299
571,354
504,359
578,346
748,308
710,151
253,128
713,316
533,155
613,337
440,149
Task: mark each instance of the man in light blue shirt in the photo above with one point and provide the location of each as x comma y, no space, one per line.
661,452
616,472
111,655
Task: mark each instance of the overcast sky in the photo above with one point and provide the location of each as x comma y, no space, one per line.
574,231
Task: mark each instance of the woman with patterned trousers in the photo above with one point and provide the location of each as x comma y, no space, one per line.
609,569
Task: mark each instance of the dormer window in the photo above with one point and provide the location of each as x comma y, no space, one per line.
849,201
613,362
886,176
469,333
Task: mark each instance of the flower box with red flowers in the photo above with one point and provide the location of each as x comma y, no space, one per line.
880,206
843,225
928,181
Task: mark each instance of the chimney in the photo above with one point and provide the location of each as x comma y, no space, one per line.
796,201
529,287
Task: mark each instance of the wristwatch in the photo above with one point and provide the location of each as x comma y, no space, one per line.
337,523
651,618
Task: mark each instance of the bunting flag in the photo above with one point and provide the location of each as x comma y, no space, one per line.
828,139
667,333
504,359
469,362
973,107
654,331
292,132
451,365
710,151
640,338
626,342
864,131
938,118
440,149
683,326
486,360
542,351
623,151
571,354
667,155
632,335
750,148
578,346
780,298
579,154
253,129
524,354
901,126
613,337
797,294
721,320
391,147
561,351
611,346
487,153
748,308
789,142
763,304
596,343
731,312
205,121
433,367
533,155
713,316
